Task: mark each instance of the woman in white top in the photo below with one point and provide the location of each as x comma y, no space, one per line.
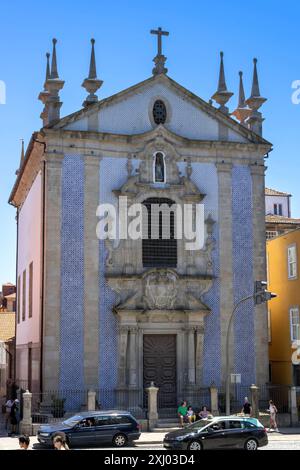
273,412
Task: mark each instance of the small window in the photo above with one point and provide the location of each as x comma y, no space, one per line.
30,290
292,262
279,209
159,112
275,209
295,324
18,298
24,297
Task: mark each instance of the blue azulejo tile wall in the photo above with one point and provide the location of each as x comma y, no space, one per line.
205,177
242,259
108,362
72,276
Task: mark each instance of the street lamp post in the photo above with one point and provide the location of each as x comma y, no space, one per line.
227,352
260,295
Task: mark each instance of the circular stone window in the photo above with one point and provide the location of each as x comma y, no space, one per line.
159,112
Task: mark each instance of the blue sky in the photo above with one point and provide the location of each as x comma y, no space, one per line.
268,30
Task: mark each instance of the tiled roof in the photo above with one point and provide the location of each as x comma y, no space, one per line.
274,192
7,325
280,219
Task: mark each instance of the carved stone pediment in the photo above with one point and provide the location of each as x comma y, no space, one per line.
160,290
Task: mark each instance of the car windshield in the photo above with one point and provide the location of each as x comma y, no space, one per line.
72,421
201,423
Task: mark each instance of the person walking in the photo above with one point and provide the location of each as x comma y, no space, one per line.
273,412
15,417
8,406
247,409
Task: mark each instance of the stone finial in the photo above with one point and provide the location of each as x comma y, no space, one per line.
255,101
242,112
222,95
54,73
159,59
92,83
53,85
44,95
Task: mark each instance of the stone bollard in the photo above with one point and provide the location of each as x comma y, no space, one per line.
293,406
254,400
91,400
26,423
152,406
214,400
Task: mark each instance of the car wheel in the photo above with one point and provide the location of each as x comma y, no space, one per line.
120,440
195,445
251,444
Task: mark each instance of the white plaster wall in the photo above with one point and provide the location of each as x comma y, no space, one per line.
271,200
131,115
29,241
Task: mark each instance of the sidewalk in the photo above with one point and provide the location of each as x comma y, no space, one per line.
10,443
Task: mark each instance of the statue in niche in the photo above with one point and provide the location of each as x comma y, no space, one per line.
159,168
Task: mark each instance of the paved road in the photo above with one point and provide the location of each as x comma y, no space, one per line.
276,442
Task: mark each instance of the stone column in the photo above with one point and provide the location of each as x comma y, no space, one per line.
199,354
91,400
293,406
132,357
26,423
225,250
152,406
122,351
259,270
52,278
91,272
214,404
191,356
254,391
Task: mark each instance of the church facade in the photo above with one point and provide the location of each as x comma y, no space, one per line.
119,314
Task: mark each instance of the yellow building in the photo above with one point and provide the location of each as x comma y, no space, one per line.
283,263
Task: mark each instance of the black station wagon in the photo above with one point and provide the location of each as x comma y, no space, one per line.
93,428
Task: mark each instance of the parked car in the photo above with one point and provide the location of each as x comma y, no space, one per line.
93,428
219,433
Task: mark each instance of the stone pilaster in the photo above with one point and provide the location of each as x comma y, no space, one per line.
225,250
91,272
122,355
191,355
259,271
52,277
132,357
199,355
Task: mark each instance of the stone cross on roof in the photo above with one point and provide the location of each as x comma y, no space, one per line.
159,59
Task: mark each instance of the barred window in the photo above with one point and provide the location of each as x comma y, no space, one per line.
30,290
159,247
24,296
159,112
